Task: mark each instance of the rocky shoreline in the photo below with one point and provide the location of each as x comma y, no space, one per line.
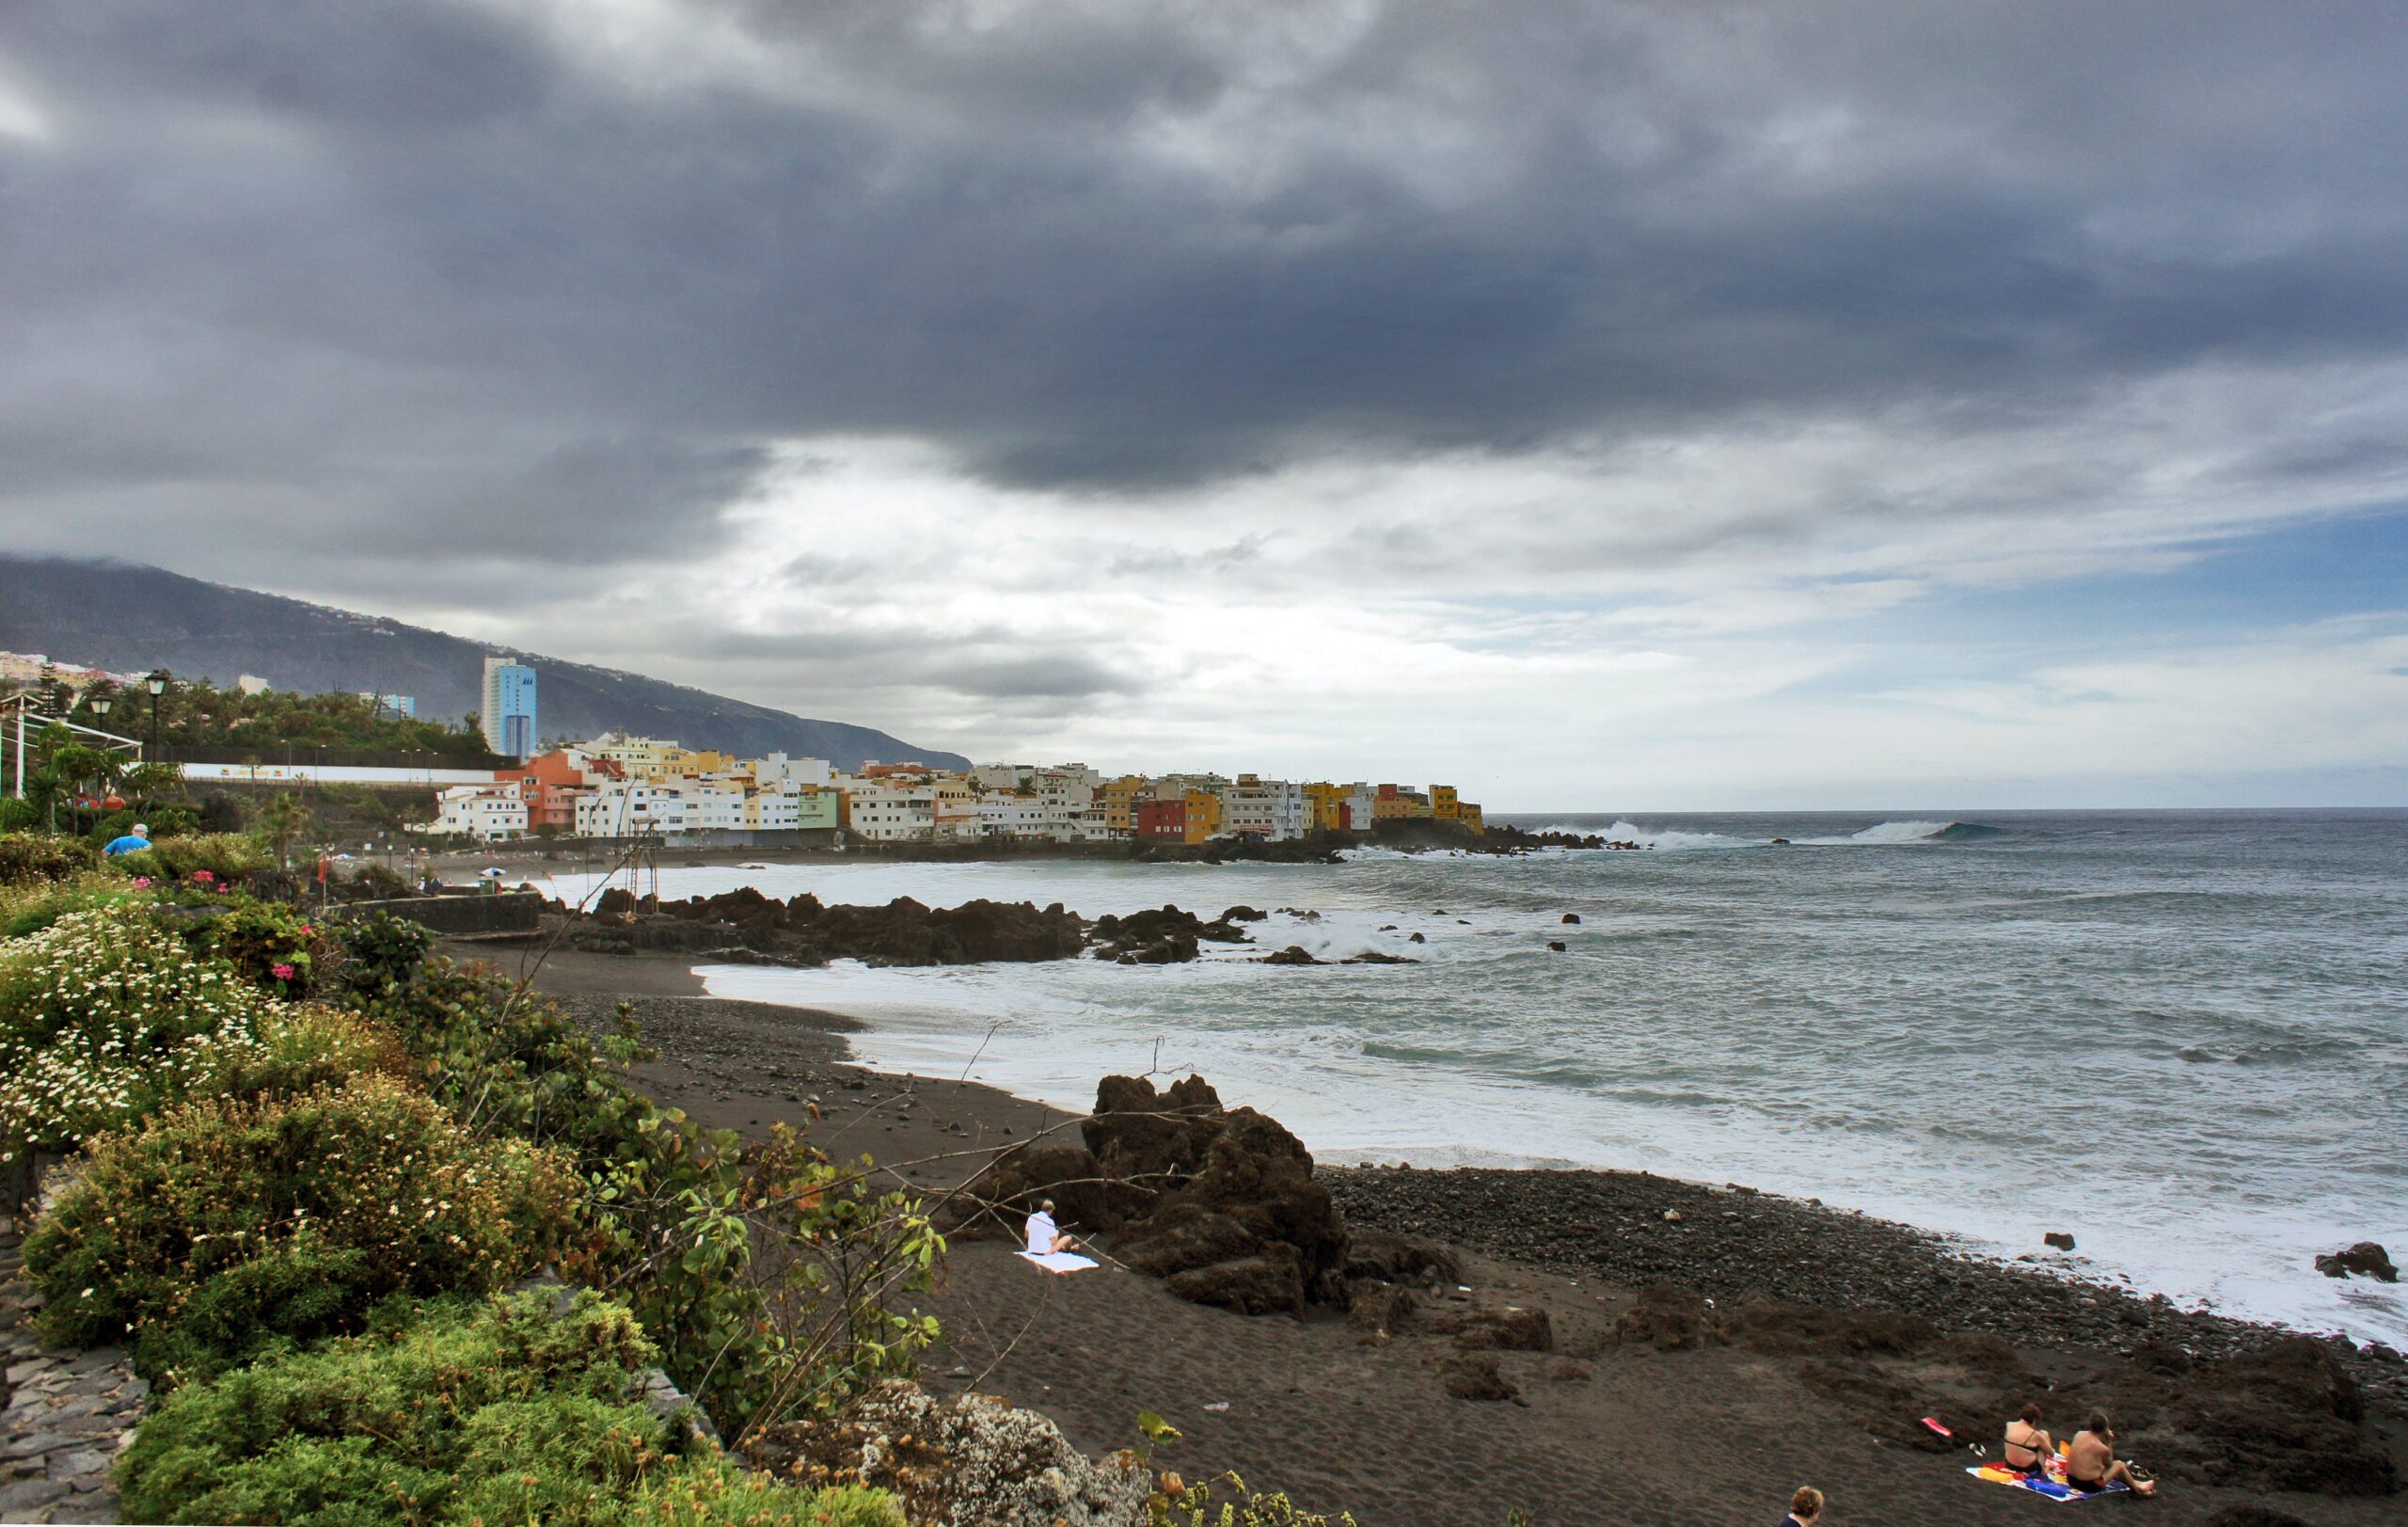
1804,1340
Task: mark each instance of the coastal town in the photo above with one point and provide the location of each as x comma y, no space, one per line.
618,785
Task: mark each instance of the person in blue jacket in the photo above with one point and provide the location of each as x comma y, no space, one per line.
133,842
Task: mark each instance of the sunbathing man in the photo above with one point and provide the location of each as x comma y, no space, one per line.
1043,1238
2028,1448
2091,1464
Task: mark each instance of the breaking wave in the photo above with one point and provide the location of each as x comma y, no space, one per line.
1913,830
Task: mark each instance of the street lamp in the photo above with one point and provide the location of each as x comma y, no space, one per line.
156,682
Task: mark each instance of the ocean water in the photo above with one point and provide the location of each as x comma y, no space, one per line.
2183,1037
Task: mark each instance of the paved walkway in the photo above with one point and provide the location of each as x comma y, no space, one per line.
66,1413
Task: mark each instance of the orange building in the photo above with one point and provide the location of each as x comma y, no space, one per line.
551,782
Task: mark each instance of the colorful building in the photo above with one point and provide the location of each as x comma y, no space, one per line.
509,714
1162,820
1202,815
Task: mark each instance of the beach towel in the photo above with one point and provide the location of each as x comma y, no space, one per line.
1060,1262
2048,1486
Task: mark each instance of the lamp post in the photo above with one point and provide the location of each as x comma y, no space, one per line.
156,682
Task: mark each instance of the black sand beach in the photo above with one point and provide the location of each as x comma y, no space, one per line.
1597,1430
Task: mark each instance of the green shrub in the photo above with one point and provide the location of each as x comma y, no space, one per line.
771,1275
454,1412
38,858
380,951
231,1227
104,1016
225,858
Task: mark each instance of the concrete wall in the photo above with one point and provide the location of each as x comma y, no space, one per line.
480,912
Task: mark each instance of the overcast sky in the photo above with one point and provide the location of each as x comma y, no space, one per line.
1643,406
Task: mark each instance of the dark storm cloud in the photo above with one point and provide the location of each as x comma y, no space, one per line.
440,281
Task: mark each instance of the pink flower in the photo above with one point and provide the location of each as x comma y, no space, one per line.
280,971
306,930
203,877
142,882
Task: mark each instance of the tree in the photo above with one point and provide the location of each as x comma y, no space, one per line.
281,820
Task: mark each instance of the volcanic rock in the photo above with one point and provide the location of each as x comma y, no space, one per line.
1377,1254
2062,1240
1294,954
1556,945
2366,1259
1509,1331
1268,1283
1377,1309
1572,917
1670,1318
1474,1376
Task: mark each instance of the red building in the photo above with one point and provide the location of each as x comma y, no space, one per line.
1162,821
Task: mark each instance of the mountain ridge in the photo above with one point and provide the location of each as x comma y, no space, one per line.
118,614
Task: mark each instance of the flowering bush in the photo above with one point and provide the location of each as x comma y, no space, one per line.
31,858
231,1227
536,1419
276,947
203,858
104,1016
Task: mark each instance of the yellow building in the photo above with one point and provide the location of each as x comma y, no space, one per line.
1119,798
1203,816
1328,802
1469,814
1444,802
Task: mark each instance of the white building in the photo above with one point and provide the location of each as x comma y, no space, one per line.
778,771
1266,808
709,807
488,813
891,813
630,808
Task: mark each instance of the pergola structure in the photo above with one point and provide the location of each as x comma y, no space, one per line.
25,702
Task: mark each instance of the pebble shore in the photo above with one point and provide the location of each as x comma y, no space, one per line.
1733,1244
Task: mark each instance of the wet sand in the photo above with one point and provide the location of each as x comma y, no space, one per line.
1599,1432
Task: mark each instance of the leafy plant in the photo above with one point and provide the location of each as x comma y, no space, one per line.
1190,1505
229,1228
509,1409
380,951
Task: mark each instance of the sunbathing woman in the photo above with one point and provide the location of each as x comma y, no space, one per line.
2028,1448
2091,1464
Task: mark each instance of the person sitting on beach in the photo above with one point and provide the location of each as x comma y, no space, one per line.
2091,1464
1805,1508
1043,1237
2028,1448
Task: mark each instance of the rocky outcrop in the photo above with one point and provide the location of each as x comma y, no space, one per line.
2366,1259
1294,954
1166,935
1220,1203
804,931
973,1462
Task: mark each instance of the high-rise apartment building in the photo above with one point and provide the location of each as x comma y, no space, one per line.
509,714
